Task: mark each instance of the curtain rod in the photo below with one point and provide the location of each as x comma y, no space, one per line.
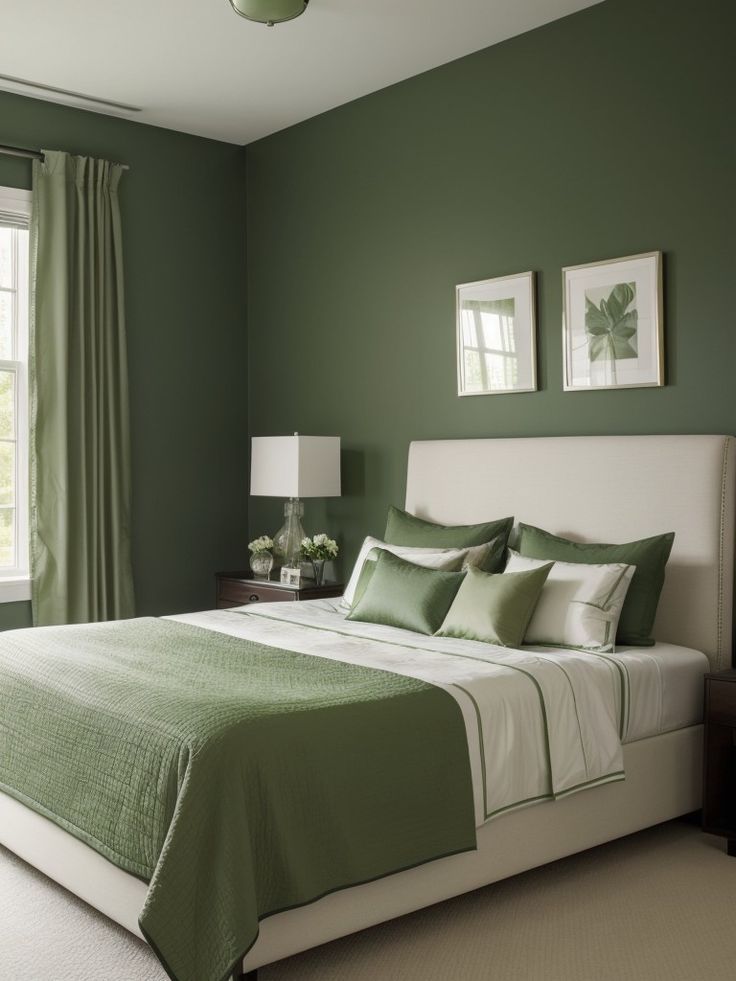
19,151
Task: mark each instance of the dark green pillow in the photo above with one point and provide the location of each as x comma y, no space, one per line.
403,528
401,594
495,609
648,555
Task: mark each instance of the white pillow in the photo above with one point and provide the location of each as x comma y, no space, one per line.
430,558
580,604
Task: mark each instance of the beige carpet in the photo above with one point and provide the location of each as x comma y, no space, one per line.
657,906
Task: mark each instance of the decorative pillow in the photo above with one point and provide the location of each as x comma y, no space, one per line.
402,594
580,604
648,555
452,559
494,609
403,528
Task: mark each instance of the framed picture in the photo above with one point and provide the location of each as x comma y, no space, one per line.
612,324
496,336
291,575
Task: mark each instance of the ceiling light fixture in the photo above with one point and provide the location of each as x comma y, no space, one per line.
269,12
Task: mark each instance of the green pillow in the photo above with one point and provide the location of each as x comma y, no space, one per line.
648,555
401,594
495,609
403,528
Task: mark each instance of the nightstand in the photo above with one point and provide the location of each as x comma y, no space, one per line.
719,765
239,588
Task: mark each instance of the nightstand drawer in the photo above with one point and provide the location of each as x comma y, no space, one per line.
235,593
238,589
721,703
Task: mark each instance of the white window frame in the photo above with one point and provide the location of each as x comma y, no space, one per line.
15,583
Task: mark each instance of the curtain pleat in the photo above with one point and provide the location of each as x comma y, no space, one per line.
80,442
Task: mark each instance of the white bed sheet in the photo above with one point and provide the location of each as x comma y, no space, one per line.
664,682
665,688
675,674
593,702
539,725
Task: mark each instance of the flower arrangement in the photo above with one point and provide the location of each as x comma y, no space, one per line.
260,545
319,548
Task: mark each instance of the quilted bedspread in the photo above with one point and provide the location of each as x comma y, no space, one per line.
238,779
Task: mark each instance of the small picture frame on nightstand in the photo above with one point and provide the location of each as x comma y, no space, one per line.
291,576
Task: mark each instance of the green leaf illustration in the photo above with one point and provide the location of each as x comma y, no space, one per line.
611,327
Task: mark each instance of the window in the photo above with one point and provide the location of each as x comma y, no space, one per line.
489,345
15,210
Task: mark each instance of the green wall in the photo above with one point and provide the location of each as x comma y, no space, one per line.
604,134
183,208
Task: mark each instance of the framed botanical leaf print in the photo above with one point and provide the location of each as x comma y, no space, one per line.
612,323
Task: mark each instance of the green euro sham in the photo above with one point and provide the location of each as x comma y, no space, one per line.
403,528
495,609
649,556
398,593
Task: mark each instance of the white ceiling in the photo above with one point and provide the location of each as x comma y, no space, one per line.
195,66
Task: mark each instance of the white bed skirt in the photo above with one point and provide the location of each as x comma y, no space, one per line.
663,781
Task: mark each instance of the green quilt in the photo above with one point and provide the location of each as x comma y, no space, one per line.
237,779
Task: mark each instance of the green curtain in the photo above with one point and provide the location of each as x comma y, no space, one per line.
80,443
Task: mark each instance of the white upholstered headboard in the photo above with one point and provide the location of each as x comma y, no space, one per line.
607,489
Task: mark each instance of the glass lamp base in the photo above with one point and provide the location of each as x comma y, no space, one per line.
288,539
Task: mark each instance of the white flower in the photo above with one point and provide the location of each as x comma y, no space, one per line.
319,547
262,544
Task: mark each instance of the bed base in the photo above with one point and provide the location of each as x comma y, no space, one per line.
663,781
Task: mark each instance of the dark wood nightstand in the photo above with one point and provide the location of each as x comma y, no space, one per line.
239,588
719,765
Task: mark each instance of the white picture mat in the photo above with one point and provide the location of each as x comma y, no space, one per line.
644,271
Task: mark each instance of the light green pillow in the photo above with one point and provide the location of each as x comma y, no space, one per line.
400,594
648,555
450,559
495,609
403,528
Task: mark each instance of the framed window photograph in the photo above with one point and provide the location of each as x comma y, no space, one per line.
496,336
291,575
612,330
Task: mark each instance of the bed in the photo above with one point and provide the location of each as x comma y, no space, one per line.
591,488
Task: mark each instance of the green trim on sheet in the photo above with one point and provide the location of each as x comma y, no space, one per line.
625,689
500,664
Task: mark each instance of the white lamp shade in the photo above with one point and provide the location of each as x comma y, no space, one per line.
295,466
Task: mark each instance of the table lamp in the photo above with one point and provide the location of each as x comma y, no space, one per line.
294,467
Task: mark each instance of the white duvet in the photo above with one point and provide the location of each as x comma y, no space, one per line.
540,723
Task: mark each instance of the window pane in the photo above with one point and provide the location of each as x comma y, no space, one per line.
6,257
7,538
6,325
492,331
468,324
502,370
473,376
7,405
7,474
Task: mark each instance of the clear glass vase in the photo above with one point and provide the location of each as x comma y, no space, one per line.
261,564
318,565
